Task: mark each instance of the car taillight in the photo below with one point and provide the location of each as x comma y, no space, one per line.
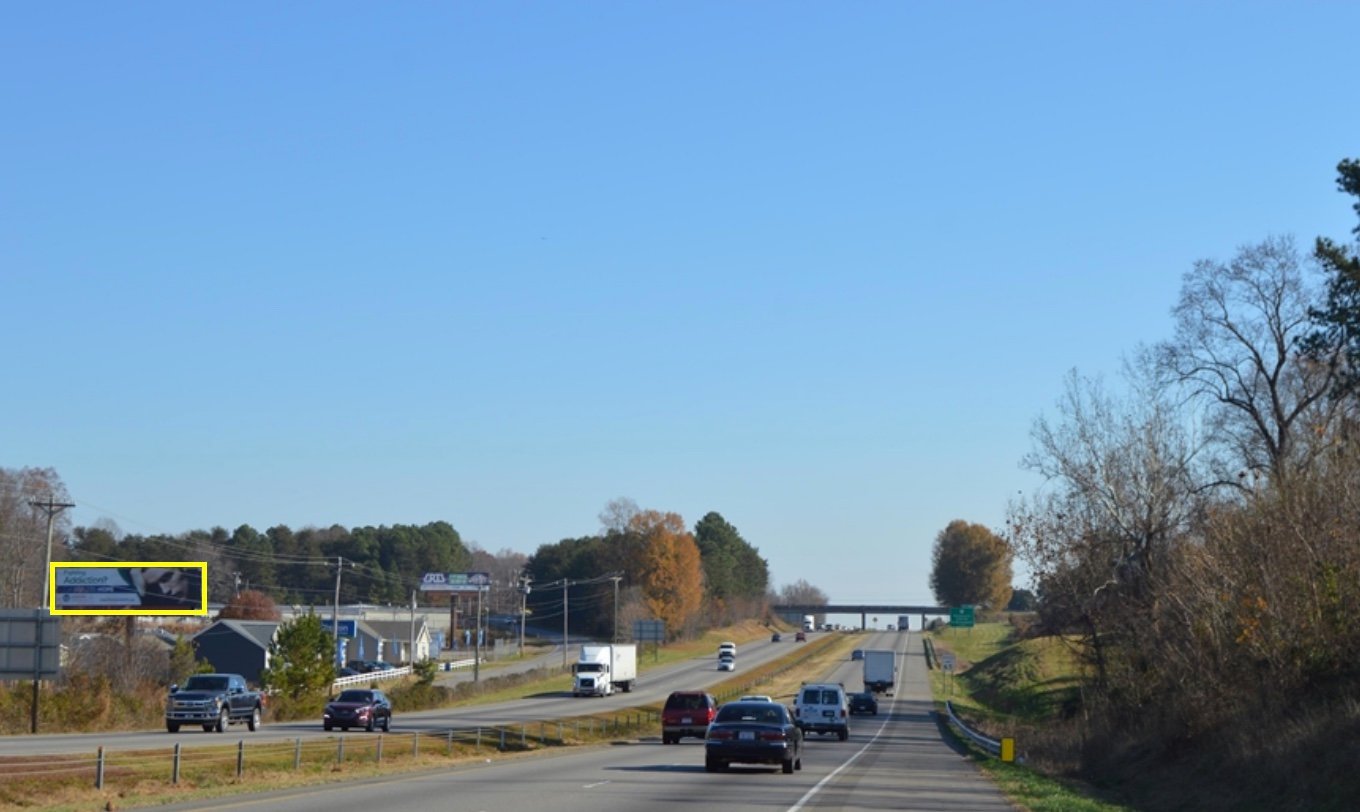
720,734
773,736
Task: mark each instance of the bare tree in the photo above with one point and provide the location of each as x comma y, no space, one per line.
1238,326
23,533
1122,485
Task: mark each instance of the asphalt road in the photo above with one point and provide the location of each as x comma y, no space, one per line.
651,686
896,761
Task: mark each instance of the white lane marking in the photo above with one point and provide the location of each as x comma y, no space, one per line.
816,788
594,785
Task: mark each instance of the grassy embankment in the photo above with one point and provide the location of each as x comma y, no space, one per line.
57,784
1007,687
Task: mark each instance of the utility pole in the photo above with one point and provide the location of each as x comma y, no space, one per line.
616,579
477,640
565,638
238,583
524,580
335,618
411,655
51,508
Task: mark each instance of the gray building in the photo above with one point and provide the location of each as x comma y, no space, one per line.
237,646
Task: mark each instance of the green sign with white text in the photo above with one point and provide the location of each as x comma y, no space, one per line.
961,617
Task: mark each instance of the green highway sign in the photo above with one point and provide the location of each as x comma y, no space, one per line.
961,617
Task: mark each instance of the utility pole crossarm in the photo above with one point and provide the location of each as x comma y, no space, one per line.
51,507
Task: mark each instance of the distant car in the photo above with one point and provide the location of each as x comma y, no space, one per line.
348,672
753,733
755,698
727,648
358,707
857,654
776,637
687,713
864,702
800,637
727,663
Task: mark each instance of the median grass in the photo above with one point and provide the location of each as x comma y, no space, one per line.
1009,687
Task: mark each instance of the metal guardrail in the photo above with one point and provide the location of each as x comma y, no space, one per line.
989,744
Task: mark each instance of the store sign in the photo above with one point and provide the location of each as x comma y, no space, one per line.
455,581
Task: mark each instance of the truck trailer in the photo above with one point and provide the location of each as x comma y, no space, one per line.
809,623
880,670
602,669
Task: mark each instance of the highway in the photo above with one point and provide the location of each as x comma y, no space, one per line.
896,761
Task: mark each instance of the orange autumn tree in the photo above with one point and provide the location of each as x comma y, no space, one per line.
672,576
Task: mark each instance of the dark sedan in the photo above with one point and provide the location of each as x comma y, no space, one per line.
356,707
864,703
753,733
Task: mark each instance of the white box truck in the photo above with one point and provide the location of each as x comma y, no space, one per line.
603,669
809,623
880,669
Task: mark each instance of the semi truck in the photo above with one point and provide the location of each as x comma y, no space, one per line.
602,669
809,623
880,669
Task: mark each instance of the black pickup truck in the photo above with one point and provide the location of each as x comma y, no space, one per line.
213,701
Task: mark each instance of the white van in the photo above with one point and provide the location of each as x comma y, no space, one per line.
727,648
822,707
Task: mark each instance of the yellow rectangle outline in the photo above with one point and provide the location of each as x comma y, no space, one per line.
52,587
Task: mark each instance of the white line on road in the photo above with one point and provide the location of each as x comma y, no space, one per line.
810,794
596,784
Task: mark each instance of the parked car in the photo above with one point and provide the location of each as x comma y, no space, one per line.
727,663
687,713
348,672
776,637
800,637
358,707
821,707
864,702
753,733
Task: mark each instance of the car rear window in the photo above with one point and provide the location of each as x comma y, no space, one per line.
686,702
764,713
817,696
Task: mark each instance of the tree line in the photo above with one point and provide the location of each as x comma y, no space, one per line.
687,579
1196,537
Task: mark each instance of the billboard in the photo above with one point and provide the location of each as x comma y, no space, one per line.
129,588
455,581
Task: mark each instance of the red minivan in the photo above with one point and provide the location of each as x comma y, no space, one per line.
687,713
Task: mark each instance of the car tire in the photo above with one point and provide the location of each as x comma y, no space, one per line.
208,728
327,726
253,723
223,721
369,725
172,727
787,767
387,724
798,763
712,765
843,734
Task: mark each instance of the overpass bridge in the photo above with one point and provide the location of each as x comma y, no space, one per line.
795,611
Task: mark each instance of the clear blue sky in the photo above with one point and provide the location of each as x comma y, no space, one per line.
816,267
